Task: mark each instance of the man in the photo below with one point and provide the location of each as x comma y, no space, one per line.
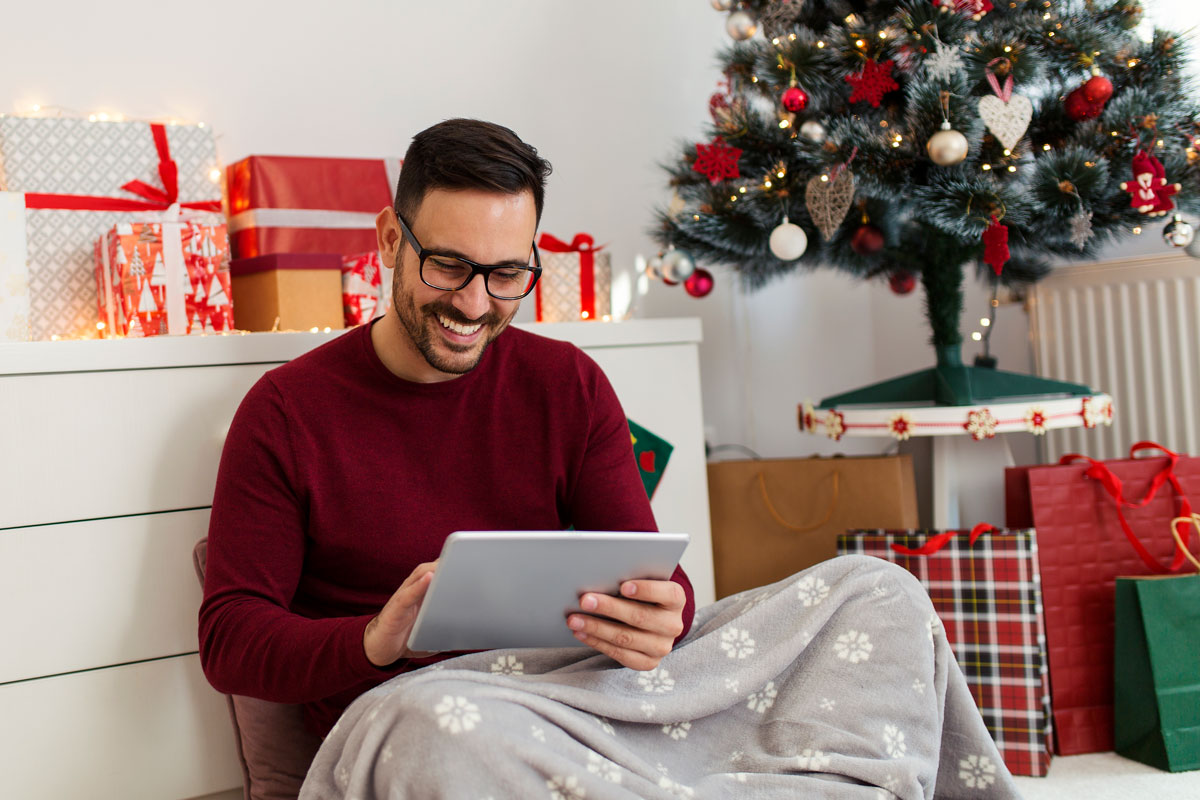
345,470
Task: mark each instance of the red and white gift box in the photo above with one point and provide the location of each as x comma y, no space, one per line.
576,282
79,178
168,277
291,204
361,285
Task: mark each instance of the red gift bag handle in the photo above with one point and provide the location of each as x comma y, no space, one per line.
935,543
1099,471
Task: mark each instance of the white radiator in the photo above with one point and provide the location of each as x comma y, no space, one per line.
1131,328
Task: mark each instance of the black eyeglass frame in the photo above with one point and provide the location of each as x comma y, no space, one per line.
476,269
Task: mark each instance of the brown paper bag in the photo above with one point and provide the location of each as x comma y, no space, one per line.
774,517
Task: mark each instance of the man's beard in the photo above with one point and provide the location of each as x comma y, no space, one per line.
417,322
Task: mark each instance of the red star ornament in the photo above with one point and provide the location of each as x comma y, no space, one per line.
873,82
717,160
995,245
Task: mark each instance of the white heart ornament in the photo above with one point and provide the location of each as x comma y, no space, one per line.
1008,121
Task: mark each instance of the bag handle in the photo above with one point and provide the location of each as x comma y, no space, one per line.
762,484
1179,540
1099,471
935,543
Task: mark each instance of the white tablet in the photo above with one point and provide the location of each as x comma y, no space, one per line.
496,589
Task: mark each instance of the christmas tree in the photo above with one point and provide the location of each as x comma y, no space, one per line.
921,140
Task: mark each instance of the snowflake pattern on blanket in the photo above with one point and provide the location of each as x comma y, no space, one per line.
829,684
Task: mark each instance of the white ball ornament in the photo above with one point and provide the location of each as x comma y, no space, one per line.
788,241
947,146
677,266
1179,232
813,131
741,26
722,5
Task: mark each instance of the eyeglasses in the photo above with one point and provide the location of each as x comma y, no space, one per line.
451,273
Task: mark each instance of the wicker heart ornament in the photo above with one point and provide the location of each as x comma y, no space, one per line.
829,199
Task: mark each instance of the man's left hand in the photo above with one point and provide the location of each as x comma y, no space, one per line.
642,624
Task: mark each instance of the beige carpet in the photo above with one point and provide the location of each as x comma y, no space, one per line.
1108,776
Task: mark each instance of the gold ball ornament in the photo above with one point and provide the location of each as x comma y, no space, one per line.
947,146
741,26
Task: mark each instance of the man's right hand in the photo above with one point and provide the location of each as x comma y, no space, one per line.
385,640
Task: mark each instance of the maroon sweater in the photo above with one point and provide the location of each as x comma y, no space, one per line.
338,478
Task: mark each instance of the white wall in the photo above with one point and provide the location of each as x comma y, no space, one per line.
603,89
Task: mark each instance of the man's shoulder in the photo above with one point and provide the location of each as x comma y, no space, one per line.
530,352
333,357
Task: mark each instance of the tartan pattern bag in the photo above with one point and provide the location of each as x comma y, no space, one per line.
986,589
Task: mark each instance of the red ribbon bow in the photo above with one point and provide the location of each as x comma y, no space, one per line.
583,244
1099,472
154,198
935,543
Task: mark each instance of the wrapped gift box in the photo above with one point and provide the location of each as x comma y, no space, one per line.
288,291
79,179
987,592
14,271
289,204
155,278
576,282
361,287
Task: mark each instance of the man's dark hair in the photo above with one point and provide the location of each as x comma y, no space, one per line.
469,154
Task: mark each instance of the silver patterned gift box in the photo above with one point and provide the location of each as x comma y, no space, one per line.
576,282
80,178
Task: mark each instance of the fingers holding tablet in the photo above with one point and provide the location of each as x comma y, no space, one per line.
637,633
385,637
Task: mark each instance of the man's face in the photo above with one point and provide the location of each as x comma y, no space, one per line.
451,330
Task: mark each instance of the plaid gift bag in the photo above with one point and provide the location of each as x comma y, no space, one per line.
987,591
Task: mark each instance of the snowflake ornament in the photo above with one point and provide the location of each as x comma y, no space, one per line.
1035,420
1081,228
717,160
873,82
901,426
945,62
835,425
981,424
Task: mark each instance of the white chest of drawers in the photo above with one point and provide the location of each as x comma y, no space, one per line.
108,456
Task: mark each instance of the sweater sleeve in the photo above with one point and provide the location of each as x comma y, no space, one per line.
250,642
609,495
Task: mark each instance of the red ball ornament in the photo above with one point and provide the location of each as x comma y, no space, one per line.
699,283
795,99
902,281
1098,89
867,240
1079,108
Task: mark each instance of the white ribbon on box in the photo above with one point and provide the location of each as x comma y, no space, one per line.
14,269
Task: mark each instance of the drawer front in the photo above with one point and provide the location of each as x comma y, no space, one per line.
97,444
93,594
149,731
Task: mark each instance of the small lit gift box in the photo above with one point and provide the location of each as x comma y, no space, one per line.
361,288
292,204
163,277
576,282
288,291
986,589
78,178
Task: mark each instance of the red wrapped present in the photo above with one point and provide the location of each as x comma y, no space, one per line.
289,204
361,284
169,277
987,592
1087,514
576,282
116,172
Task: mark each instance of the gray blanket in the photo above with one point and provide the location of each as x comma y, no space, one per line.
837,682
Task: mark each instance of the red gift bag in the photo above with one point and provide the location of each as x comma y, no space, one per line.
1088,515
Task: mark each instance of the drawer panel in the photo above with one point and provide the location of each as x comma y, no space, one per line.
97,444
92,594
150,731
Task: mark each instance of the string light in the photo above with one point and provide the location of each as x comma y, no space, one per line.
741,190
1137,230
1008,48
1131,63
583,315
984,321
860,44
775,41
696,217
976,336
1045,147
767,183
783,123
791,37
883,34
1007,152
820,44
986,167
215,174
824,179
1012,168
